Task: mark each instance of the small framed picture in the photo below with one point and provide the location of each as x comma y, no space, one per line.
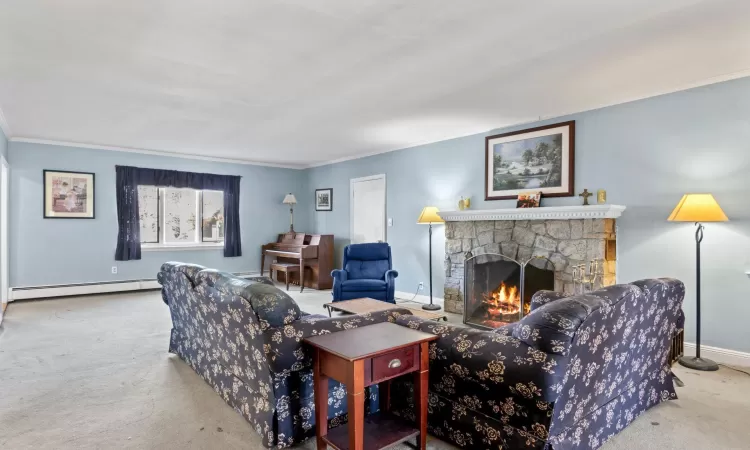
68,195
529,200
324,199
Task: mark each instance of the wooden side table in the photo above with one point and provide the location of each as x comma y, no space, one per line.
362,357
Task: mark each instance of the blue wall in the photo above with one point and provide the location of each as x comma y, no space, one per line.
646,154
59,251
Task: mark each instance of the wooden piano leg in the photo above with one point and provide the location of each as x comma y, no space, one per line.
301,275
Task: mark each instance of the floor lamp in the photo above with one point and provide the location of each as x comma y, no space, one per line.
429,216
698,208
291,201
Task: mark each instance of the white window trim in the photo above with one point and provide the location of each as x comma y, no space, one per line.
198,244
182,247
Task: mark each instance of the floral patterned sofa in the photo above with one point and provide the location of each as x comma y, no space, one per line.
243,337
569,375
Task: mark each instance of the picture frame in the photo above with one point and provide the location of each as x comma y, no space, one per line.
68,194
324,199
529,200
539,159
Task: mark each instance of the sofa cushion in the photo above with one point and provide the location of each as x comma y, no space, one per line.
551,327
364,285
273,306
374,251
358,269
228,283
190,270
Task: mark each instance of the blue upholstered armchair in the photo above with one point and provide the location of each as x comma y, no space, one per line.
366,273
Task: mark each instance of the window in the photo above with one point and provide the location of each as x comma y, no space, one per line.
180,218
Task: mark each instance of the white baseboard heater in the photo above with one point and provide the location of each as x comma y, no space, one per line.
98,287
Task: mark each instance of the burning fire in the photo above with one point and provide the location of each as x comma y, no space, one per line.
503,300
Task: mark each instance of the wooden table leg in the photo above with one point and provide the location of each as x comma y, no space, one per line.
384,391
301,275
355,401
420,394
321,401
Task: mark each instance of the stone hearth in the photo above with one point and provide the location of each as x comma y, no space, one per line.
567,241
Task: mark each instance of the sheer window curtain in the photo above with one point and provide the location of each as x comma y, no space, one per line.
129,178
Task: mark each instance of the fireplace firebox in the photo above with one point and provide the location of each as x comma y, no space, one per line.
498,289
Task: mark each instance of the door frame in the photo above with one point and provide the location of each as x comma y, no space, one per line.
351,202
4,224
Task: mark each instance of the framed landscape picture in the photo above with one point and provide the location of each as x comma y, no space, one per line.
68,195
324,199
537,159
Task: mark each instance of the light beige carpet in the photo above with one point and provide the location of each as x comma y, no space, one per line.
94,373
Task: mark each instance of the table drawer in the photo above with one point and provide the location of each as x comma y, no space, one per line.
395,363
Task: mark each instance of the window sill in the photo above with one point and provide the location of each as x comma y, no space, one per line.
181,247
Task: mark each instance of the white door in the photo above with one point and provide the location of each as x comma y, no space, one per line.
4,183
367,221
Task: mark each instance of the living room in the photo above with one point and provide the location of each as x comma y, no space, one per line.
283,153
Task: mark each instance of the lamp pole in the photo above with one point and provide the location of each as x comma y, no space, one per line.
696,362
431,306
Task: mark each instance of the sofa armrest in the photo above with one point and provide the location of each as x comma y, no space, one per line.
541,298
390,276
496,361
285,350
339,275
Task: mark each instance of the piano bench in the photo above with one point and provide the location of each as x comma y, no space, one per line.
288,268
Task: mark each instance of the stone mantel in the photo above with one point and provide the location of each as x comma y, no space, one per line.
542,213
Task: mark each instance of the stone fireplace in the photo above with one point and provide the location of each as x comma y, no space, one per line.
495,260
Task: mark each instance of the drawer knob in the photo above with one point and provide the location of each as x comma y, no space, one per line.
395,363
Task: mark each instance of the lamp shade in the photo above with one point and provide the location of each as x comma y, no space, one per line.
289,199
698,208
430,215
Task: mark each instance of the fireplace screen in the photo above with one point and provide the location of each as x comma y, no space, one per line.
498,289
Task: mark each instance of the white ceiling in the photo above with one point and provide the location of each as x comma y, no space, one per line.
302,82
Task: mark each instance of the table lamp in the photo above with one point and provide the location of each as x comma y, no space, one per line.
291,201
698,208
429,216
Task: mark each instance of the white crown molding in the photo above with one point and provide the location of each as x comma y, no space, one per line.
682,87
4,125
544,213
154,152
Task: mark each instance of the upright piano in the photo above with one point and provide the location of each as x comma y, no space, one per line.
313,253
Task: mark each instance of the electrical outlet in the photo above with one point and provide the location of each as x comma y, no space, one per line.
390,222
421,286
114,269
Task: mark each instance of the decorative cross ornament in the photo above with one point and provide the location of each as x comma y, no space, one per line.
585,194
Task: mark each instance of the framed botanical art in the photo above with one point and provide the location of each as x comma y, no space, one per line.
324,199
537,159
68,195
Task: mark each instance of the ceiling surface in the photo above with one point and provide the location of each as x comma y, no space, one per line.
303,82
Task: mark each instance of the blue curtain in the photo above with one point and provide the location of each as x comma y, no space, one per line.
128,180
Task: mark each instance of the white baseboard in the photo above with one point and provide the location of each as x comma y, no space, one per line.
720,355
105,287
418,298
28,293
